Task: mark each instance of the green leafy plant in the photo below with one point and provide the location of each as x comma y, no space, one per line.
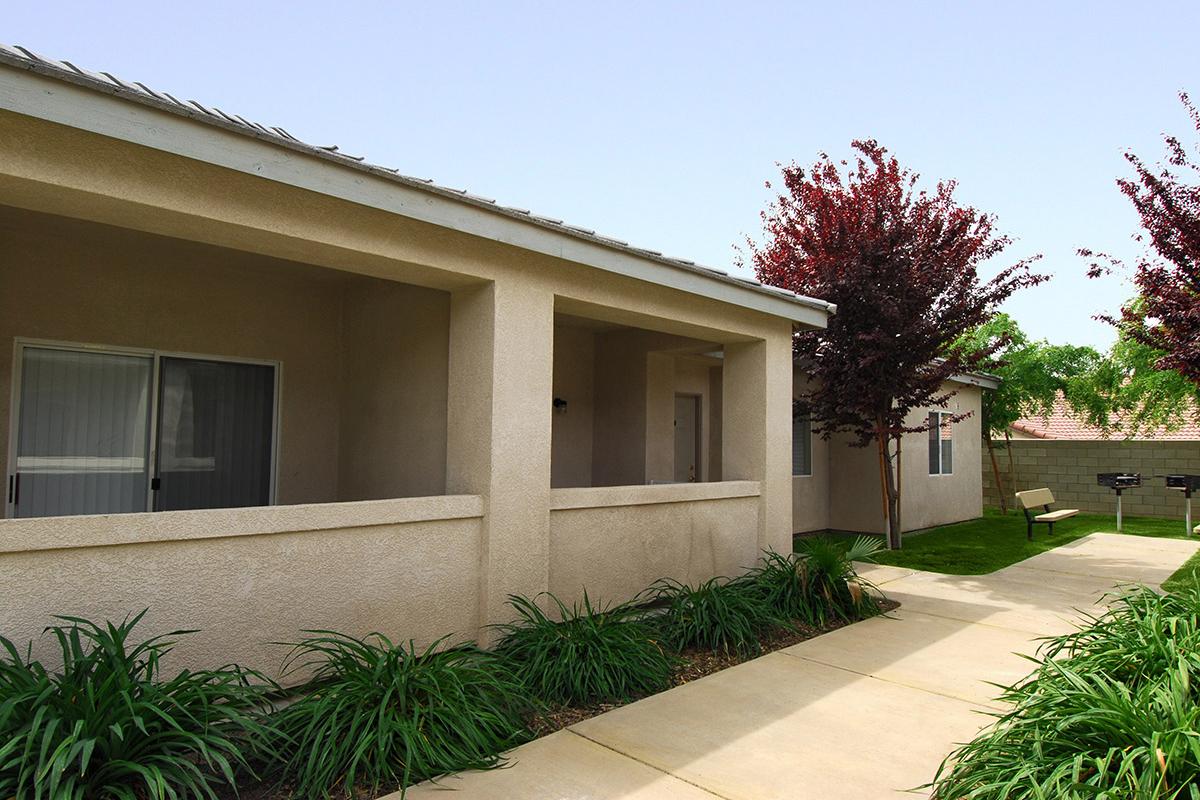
1111,711
827,570
377,713
586,655
107,725
719,615
783,581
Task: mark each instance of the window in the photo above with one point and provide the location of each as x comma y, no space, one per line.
941,443
123,431
802,445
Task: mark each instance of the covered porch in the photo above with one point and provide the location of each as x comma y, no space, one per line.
255,408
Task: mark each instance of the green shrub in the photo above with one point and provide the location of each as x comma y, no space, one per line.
106,725
784,585
825,567
818,583
1111,711
378,713
718,615
587,655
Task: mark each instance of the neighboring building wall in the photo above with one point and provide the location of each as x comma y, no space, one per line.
931,500
810,493
852,499
1068,469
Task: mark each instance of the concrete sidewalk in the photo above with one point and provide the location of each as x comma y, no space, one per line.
867,711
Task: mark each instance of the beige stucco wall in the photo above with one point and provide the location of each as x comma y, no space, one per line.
810,493
407,568
688,532
574,381
363,361
843,492
927,500
395,360
502,307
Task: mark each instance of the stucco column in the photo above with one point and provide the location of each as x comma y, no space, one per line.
756,435
498,442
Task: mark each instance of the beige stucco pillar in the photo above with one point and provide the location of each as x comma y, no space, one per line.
756,435
498,442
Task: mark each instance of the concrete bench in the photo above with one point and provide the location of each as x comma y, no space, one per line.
1045,498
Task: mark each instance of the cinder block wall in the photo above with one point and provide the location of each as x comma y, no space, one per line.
1068,468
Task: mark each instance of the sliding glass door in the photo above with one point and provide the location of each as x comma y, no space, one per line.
214,434
86,421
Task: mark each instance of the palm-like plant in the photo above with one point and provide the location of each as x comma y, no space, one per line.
379,713
588,654
108,725
826,568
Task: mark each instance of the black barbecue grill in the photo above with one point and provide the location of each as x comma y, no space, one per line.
1118,482
1186,484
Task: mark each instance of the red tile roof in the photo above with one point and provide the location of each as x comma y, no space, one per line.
1063,424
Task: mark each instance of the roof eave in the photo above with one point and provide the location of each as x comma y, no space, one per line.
654,267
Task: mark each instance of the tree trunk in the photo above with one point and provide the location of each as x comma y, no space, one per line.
890,490
996,474
883,492
899,490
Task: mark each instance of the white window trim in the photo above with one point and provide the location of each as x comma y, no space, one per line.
20,343
939,474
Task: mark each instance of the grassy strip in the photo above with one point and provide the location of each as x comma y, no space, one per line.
1186,576
995,541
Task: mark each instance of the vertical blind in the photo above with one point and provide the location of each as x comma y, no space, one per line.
82,433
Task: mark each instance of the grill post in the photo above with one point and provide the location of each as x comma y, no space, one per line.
1186,484
1119,481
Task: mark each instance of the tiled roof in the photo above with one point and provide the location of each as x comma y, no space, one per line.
1063,424
139,92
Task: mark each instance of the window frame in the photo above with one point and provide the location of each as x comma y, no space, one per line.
936,428
807,420
156,356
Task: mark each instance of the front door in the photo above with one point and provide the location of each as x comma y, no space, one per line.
687,438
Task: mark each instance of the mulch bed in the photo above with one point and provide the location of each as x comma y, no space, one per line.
695,663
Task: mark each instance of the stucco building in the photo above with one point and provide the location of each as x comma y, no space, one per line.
258,386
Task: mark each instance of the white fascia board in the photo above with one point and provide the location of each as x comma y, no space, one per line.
977,379
85,108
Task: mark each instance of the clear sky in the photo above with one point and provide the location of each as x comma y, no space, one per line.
658,123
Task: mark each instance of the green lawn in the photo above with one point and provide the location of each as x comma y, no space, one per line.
995,541
1187,575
